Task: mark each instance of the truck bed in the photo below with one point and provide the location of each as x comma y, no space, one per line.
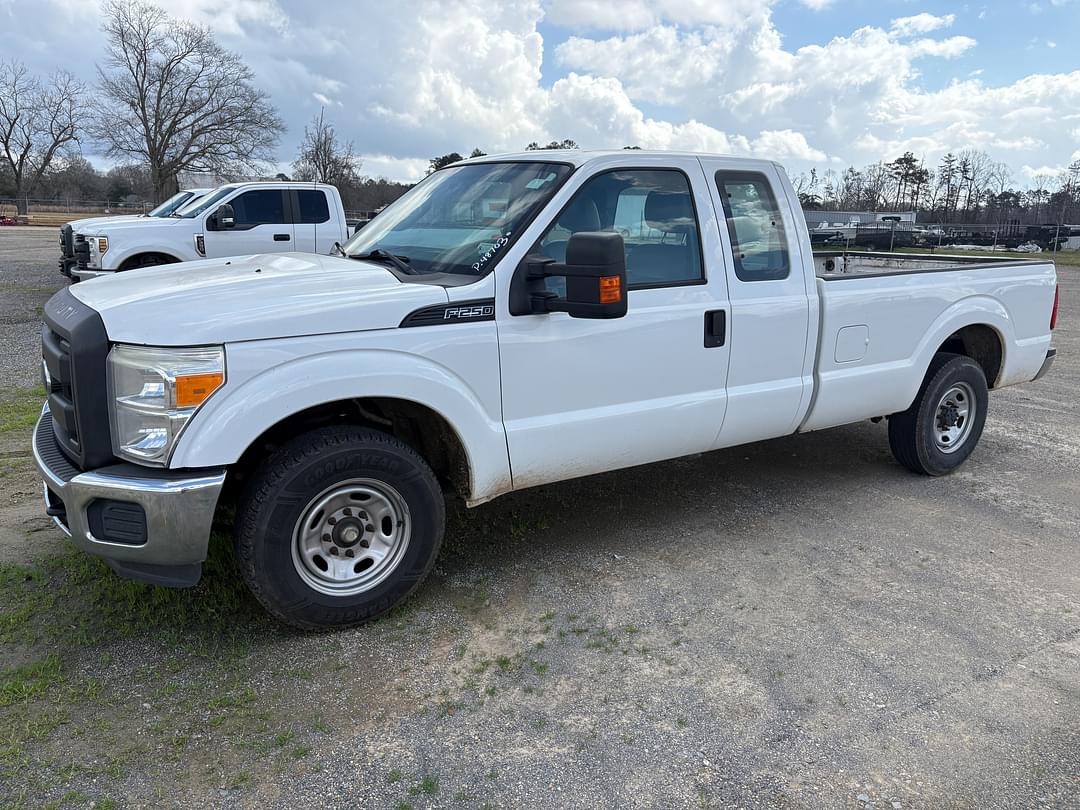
833,265
882,316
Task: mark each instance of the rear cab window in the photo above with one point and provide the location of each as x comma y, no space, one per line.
755,226
314,209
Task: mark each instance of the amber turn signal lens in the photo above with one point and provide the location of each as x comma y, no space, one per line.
610,289
194,389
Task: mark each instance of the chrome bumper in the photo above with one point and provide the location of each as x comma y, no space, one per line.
1051,353
178,510
86,273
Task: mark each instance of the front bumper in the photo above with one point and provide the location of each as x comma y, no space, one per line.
84,273
177,512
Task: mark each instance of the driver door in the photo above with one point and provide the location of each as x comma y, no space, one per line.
262,224
582,396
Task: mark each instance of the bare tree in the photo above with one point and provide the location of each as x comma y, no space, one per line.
323,158
176,100
37,121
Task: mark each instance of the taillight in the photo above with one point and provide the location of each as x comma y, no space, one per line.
1053,312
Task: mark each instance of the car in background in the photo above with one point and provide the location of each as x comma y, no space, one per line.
237,219
69,231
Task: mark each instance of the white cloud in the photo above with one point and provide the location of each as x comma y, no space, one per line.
634,15
417,78
921,24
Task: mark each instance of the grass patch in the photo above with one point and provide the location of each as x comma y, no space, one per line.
20,407
29,680
98,606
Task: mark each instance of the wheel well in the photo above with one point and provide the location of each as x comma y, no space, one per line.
138,259
982,344
422,428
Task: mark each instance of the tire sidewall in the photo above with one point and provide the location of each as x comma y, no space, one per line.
270,531
958,369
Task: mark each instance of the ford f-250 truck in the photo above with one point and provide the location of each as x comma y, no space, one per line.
511,321
71,233
234,220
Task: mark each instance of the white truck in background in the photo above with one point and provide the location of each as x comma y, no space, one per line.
509,322
237,219
70,230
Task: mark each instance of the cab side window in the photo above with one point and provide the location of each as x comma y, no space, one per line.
754,225
313,207
259,208
653,210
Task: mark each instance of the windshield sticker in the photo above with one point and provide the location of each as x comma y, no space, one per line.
540,182
492,249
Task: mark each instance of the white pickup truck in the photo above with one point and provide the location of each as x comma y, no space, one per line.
511,321
234,220
71,231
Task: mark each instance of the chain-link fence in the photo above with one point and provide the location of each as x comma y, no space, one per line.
951,235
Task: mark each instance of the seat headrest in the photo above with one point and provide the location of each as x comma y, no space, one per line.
581,215
669,211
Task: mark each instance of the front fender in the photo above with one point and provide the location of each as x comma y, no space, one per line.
264,389
114,259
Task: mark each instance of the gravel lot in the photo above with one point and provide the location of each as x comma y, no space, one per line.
798,623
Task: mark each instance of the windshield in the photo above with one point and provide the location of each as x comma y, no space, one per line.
458,220
196,207
170,205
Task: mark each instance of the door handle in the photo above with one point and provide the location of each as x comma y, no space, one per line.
715,328
281,237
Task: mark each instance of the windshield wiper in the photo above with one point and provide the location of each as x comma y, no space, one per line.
400,262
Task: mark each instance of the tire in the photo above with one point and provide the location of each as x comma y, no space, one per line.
146,260
311,511
943,425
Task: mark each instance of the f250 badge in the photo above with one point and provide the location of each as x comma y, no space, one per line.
478,309
460,313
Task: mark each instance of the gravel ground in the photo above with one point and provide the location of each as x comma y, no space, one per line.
797,623
28,277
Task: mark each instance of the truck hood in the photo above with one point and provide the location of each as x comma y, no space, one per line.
111,226
91,223
278,295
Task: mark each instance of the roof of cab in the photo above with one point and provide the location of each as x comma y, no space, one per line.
579,157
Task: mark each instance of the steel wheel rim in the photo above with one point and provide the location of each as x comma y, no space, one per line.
954,416
351,536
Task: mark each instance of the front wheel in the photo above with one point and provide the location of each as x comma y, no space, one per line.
941,428
338,526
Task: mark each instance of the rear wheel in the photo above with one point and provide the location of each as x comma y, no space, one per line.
338,527
943,425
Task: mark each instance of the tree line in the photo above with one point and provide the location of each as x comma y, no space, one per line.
967,187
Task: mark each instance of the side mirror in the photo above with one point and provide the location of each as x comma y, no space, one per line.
224,217
595,273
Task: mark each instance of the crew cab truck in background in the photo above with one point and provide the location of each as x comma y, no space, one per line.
71,232
509,322
234,220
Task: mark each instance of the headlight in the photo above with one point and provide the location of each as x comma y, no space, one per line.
154,392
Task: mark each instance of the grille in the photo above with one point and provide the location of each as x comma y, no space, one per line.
67,242
82,252
74,347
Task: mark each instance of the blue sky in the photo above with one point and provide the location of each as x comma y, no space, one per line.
823,83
